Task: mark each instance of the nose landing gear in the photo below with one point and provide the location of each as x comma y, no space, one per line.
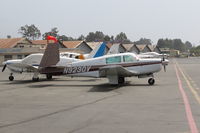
11,77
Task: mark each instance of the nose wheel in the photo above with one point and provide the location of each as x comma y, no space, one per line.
151,81
11,78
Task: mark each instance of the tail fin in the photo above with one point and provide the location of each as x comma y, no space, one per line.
98,51
114,49
51,55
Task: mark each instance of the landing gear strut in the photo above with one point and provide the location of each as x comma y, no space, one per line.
11,78
35,77
151,81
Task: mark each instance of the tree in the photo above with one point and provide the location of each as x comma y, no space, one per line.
107,38
97,36
188,45
63,38
195,51
143,41
90,37
54,32
165,43
8,36
122,38
81,37
31,32
179,45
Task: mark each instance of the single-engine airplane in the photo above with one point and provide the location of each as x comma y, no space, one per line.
115,67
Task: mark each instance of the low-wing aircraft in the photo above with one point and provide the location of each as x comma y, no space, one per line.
115,67
30,64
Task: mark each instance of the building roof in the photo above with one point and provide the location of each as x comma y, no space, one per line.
10,42
39,42
140,47
72,44
109,45
93,44
128,46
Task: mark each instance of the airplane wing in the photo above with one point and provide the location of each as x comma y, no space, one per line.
116,70
31,68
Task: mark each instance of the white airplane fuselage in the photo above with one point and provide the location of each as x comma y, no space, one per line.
90,67
33,60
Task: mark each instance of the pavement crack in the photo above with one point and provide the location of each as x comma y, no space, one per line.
57,112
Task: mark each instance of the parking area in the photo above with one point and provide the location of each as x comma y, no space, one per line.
90,105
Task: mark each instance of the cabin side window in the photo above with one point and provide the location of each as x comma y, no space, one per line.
128,58
111,60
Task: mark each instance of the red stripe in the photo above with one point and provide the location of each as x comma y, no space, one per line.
189,115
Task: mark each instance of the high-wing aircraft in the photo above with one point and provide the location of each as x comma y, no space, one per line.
115,67
31,62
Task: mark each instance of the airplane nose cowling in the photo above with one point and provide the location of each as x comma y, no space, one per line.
4,63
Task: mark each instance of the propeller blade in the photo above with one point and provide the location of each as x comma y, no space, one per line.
163,59
4,67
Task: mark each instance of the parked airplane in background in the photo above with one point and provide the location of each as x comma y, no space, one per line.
30,64
152,55
115,50
99,50
115,67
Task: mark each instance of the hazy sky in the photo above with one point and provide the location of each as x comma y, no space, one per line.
151,19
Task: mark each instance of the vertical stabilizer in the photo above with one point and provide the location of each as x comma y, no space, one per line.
51,55
98,51
114,49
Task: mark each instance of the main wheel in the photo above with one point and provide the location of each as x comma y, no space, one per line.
48,76
151,81
121,80
35,79
11,78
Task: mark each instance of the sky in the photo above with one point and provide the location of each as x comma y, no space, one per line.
152,19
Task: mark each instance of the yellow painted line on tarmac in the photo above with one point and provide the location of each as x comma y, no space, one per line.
194,92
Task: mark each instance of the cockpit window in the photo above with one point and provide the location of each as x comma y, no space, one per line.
116,59
128,58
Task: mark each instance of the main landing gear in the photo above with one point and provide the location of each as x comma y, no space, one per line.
49,77
35,77
151,81
11,77
121,80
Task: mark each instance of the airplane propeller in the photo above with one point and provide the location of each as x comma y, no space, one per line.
4,67
164,65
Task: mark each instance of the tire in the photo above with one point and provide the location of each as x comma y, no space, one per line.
11,78
121,80
35,79
49,77
151,81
